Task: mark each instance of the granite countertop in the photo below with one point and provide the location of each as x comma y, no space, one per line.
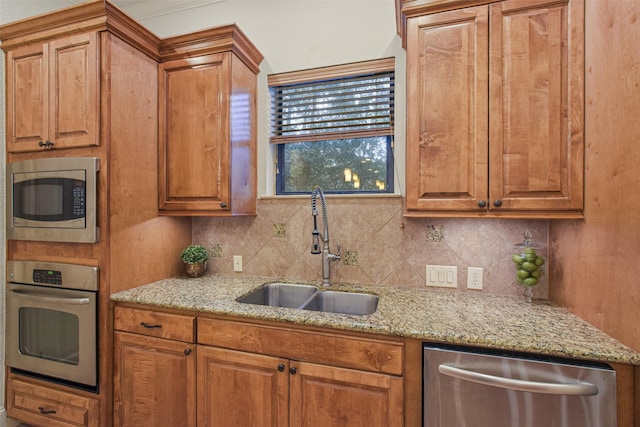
442,315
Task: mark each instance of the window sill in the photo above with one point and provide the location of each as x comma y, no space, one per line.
335,196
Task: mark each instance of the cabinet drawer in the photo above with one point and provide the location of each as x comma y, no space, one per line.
342,350
147,322
41,406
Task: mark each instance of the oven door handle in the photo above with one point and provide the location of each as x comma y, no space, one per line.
576,389
47,298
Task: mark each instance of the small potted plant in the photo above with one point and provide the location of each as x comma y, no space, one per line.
195,260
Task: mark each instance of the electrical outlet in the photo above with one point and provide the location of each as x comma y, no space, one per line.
237,263
442,276
474,278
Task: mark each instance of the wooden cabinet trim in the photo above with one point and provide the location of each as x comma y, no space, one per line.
406,9
98,15
226,38
327,348
163,325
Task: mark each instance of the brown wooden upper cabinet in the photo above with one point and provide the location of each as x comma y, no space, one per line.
53,92
208,83
495,109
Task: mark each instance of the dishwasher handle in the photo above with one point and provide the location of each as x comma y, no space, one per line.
576,389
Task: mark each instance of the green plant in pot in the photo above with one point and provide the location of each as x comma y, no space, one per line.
195,260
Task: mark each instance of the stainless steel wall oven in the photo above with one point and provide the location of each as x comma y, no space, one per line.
51,325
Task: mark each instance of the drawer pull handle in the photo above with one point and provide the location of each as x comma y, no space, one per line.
150,325
44,411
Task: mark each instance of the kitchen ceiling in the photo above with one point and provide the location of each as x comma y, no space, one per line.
145,9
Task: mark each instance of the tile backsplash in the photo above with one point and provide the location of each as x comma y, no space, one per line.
379,245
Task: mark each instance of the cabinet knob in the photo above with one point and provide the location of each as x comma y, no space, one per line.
293,370
482,204
187,351
497,203
47,144
223,205
281,367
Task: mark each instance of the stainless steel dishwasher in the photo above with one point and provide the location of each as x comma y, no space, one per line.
466,387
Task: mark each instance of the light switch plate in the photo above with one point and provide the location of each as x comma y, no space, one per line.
442,276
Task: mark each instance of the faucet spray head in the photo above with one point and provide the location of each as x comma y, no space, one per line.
315,242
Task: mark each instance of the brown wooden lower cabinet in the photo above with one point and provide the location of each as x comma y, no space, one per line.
154,382
154,368
327,396
245,389
251,374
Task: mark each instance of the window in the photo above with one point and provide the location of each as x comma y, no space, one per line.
333,127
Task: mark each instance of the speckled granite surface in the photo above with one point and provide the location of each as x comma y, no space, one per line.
429,314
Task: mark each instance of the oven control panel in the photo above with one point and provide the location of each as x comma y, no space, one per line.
49,277
40,273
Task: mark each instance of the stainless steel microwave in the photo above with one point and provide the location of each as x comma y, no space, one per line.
53,200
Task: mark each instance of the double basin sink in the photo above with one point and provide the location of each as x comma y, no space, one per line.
309,297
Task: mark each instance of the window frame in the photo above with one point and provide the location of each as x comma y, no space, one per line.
323,74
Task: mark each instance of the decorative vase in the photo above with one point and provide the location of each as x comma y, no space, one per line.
195,270
529,258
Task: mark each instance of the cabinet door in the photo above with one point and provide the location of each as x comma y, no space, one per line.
74,88
537,105
194,133
323,396
27,97
447,124
241,389
154,382
53,94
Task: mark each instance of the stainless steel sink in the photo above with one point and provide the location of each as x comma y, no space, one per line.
280,295
343,302
308,297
